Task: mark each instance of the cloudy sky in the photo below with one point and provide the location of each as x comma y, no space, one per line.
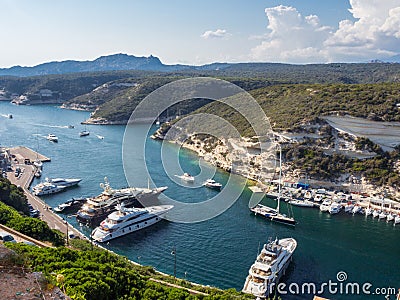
199,32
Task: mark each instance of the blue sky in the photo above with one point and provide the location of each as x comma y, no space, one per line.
199,32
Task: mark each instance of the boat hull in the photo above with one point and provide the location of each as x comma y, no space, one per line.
126,230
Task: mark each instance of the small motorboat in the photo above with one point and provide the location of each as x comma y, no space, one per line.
302,203
186,177
70,205
376,213
38,173
212,184
368,211
71,126
38,164
389,217
52,138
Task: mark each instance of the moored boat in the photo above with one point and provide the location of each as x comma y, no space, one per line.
69,206
95,209
325,206
301,203
126,220
46,188
67,182
335,208
270,265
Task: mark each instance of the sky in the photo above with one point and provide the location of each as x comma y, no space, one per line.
199,32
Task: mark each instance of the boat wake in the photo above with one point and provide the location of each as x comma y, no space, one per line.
53,126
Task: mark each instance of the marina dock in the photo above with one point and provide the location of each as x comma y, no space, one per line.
20,153
24,180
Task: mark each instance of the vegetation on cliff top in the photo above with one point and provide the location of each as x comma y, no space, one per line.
98,274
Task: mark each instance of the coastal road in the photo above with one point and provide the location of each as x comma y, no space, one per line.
46,214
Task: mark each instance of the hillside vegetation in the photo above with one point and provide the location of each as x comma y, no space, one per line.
100,275
288,106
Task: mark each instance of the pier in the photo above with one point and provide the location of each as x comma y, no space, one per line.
19,156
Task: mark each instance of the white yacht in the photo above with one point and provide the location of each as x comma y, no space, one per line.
389,217
97,208
52,138
376,213
335,208
302,203
186,177
397,220
64,181
383,215
38,163
368,211
212,184
47,188
269,266
319,197
325,206
356,209
127,220
349,207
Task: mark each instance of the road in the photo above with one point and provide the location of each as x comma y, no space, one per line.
46,214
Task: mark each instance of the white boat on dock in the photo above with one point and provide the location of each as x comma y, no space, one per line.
66,182
368,211
397,220
301,203
335,208
127,220
376,213
269,267
325,206
47,188
389,218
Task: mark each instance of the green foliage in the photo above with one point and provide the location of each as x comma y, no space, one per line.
378,170
32,227
13,196
100,274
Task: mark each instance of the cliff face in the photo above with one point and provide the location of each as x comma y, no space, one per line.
242,156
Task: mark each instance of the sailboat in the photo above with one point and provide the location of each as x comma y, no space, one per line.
84,132
274,214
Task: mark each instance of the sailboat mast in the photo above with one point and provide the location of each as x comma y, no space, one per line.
280,177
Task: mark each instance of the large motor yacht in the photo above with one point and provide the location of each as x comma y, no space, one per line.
47,188
97,208
127,220
67,182
269,267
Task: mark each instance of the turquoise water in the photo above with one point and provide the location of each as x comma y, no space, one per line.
219,251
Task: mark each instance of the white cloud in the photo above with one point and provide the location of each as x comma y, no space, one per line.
294,38
219,33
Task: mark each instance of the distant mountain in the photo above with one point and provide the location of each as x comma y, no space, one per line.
115,62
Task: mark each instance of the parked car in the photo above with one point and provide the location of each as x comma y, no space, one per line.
6,237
